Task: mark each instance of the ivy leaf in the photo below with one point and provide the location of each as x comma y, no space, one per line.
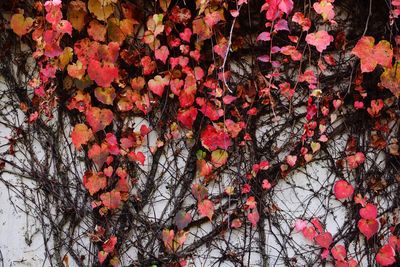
81,135
97,31
369,211
187,116
109,245
21,25
339,252
219,158
105,95
98,118
94,182
102,255
162,54
157,85
343,189
386,255
199,191
390,79
76,14
111,200
324,240
206,208
102,12
368,227
320,40
102,73
212,138
325,9
371,55
253,218
98,154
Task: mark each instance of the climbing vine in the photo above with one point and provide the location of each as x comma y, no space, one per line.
169,130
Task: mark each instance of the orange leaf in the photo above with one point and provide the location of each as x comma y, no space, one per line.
111,200
98,118
371,55
81,135
21,25
94,182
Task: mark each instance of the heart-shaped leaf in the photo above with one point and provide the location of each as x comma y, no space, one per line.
368,227
343,189
98,118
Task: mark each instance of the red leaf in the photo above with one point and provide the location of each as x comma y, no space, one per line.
369,211
199,191
103,74
162,54
102,255
206,208
212,138
98,118
109,245
371,55
386,256
368,227
339,252
157,85
81,135
324,240
187,116
98,154
309,232
343,189
94,182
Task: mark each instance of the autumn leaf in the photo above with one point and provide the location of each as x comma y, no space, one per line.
102,12
77,14
94,182
325,9
212,138
370,55
206,208
339,252
157,85
81,135
386,255
98,118
253,218
187,116
320,40
111,200
369,211
343,189
324,240
105,95
20,25
162,54
97,31
219,158
102,73
390,79
99,154
368,227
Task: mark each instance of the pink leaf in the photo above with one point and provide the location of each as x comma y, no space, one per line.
320,40
343,189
